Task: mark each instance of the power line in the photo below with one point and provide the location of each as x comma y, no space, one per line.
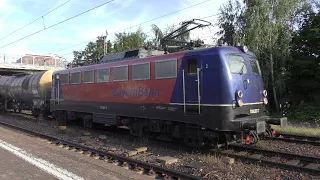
36,19
58,23
127,28
140,24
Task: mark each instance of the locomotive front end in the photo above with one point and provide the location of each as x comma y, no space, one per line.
248,117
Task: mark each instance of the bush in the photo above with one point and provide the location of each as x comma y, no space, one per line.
305,112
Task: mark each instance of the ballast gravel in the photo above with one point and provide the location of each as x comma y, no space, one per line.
205,166
290,147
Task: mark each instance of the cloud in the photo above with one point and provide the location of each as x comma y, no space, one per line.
114,16
6,9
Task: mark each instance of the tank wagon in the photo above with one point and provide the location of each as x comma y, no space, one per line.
27,92
208,95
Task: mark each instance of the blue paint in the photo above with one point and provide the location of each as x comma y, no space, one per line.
139,92
217,84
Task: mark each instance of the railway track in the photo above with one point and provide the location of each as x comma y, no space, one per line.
278,159
129,163
243,153
298,139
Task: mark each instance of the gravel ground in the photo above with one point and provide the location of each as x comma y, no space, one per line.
208,166
289,147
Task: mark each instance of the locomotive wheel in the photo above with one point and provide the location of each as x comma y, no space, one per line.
35,114
87,123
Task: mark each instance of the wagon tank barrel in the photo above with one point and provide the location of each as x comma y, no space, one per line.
26,91
28,87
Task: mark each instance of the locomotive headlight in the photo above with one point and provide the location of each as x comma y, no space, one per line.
265,101
245,49
57,76
240,102
239,94
265,93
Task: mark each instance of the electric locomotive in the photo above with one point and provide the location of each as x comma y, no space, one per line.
199,95
207,95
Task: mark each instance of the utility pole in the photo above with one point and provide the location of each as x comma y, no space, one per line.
105,44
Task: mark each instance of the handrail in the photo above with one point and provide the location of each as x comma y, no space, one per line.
184,91
199,97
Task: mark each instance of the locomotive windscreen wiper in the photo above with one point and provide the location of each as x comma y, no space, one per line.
241,70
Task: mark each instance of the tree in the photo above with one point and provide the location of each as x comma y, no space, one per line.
304,66
266,27
159,34
268,35
231,23
109,47
129,41
92,54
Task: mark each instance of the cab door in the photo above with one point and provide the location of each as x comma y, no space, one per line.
192,84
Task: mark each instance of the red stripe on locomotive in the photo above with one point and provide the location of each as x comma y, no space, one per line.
152,91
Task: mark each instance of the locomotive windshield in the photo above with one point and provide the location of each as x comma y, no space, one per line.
237,64
255,66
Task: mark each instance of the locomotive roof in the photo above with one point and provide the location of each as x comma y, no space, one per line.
112,58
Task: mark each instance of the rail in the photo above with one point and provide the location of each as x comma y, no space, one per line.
278,159
313,140
122,159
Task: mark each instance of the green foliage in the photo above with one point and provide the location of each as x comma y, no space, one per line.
159,34
305,112
93,52
129,41
268,35
304,66
231,23
266,27
109,47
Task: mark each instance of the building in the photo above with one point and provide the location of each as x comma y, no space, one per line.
30,61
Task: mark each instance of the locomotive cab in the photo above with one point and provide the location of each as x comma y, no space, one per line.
249,95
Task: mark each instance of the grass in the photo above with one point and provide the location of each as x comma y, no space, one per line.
298,130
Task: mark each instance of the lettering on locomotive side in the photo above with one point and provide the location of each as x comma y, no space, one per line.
139,92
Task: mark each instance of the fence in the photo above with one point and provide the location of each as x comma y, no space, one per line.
30,62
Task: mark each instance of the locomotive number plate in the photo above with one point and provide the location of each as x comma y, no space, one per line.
254,111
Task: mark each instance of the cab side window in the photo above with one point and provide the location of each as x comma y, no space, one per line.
192,67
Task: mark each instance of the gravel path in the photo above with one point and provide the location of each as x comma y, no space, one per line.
207,166
289,147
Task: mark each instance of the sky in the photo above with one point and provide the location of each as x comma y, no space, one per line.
74,34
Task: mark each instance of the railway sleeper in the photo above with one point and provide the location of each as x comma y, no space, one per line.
273,158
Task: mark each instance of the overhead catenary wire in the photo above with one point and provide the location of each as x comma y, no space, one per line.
58,23
35,20
114,33
200,35
162,16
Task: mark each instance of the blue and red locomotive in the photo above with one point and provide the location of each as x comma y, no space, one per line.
203,95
